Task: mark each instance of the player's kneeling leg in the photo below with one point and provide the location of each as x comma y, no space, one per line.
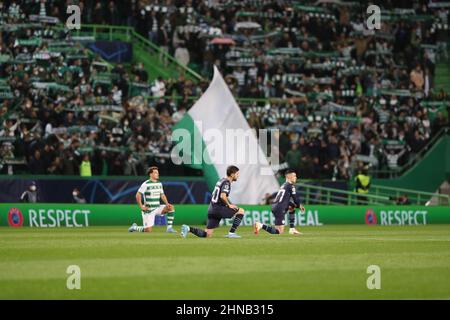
149,221
237,220
279,224
291,211
270,229
169,211
212,223
198,232
280,229
292,220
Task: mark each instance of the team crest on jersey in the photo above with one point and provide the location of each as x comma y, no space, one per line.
15,218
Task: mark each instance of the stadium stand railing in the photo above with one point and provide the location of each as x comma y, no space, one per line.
312,194
415,197
140,45
379,195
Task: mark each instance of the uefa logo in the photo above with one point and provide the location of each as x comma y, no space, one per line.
15,218
371,217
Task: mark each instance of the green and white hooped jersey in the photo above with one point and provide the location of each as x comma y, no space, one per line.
152,192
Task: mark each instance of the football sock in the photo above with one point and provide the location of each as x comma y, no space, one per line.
139,229
169,217
236,222
270,229
198,232
292,220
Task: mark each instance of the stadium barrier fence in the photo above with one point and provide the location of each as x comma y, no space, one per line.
378,195
79,216
125,33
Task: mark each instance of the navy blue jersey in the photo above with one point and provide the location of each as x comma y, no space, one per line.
223,185
284,196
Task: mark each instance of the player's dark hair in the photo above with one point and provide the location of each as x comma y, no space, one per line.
288,171
231,170
151,169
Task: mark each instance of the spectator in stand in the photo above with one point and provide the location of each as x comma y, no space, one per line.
293,157
31,194
403,200
159,88
417,78
362,185
182,54
78,197
85,166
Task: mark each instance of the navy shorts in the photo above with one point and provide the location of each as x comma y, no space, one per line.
215,214
279,215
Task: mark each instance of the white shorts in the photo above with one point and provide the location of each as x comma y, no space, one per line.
149,218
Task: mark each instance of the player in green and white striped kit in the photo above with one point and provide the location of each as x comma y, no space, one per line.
152,191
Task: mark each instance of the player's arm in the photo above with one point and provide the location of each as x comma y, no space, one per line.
164,199
227,202
296,198
139,201
166,202
139,194
302,208
296,204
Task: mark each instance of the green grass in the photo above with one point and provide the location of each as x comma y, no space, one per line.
328,262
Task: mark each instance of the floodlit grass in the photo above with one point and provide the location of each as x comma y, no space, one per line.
328,262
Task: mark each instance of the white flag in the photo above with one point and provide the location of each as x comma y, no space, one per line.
221,136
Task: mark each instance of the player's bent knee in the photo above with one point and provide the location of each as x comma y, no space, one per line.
241,211
148,229
280,229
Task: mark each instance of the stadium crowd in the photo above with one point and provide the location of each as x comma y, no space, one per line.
342,95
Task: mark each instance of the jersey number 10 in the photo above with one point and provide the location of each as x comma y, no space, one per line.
215,194
280,196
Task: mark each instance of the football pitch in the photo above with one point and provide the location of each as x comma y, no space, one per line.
328,262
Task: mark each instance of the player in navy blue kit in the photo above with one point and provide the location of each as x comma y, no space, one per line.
281,205
220,208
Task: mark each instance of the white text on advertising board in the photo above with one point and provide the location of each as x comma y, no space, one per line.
309,218
403,217
53,218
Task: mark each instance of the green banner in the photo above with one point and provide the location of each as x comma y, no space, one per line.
81,216
319,215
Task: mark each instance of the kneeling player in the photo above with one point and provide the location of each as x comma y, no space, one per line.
152,191
281,205
220,208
